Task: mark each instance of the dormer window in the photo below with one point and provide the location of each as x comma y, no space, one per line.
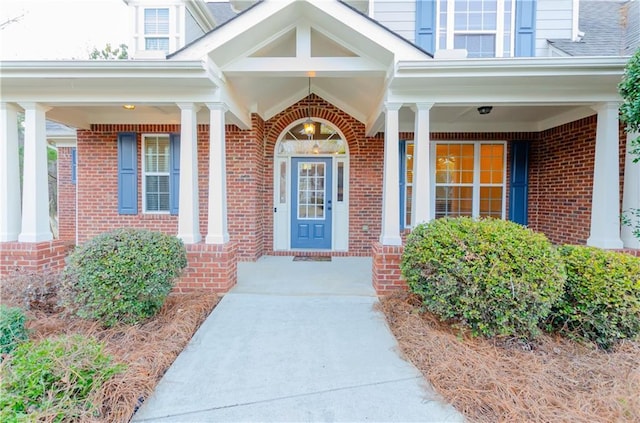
156,29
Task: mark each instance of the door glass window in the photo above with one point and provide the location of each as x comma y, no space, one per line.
283,182
311,190
340,195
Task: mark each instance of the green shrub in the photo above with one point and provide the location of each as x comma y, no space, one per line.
12,330
496,277
601,301
52,380
122,276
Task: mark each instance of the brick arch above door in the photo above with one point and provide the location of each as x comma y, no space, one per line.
352,129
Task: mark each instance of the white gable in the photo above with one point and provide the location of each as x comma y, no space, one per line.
265,55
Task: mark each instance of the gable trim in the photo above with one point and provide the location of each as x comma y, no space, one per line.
266,9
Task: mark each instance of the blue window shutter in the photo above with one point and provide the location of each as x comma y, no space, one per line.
74,165
174,173
127,173
525,34
426,25
519,190
403,166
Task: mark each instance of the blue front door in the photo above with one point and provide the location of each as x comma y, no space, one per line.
311,203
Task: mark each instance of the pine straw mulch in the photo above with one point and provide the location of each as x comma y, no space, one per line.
147,349
553,380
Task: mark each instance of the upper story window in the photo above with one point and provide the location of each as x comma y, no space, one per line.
482,27
156,29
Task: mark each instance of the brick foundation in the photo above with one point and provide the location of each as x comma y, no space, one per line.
210,267
33,257
386,268
632,251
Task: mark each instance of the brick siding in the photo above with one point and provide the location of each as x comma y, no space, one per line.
66,197
561,180
33,257
561,176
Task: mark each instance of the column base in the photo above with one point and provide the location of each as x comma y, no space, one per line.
190,238
33,257
387,277
631,242
210,267
605,243
217,239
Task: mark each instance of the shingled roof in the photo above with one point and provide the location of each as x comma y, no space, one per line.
610,27
221,11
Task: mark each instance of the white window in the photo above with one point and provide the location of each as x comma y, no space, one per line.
408,183
156,173
468,179
156,29
483,27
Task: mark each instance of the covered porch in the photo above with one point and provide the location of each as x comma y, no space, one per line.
224,106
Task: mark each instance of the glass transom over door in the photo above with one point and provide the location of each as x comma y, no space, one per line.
311,203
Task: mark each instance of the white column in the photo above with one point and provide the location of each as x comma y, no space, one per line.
35,179
9,174
189,201
605,207
631,193
391,182
421,195
217,231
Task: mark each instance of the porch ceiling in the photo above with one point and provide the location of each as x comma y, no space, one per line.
443,118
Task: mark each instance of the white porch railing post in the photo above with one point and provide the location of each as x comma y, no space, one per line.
421,195
9,174
631,194
189,202
35,188
217,230
391,178
605,206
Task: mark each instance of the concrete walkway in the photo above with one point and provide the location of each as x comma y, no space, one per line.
295,342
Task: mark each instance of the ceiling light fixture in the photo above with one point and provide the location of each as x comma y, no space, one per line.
485,110
309,125
129,106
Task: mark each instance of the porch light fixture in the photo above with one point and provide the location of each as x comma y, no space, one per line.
485,110
309,125
129,106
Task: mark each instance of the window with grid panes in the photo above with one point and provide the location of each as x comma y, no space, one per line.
156,173
483,27
156,29
468,179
